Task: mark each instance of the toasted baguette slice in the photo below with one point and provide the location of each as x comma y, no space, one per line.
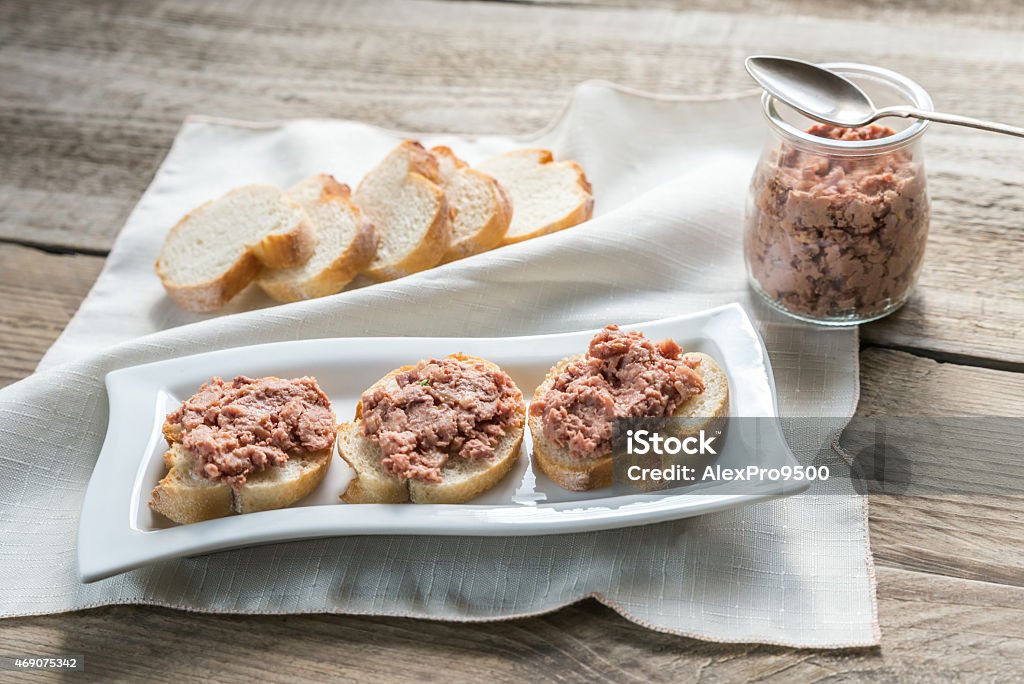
185,496
580,475
402,198
481,207
345,243
547,196
462,479
216,250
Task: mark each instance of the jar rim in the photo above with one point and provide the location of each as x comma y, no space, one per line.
915,94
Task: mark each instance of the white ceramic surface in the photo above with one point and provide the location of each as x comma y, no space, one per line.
118,532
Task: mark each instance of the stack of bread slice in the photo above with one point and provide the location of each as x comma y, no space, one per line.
548,196
417,209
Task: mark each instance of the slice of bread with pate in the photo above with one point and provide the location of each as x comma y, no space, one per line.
404,201
480,206
708,409
219,248
244,446
461,479
547,196
345,243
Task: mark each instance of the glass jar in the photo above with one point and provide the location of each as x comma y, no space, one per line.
837,218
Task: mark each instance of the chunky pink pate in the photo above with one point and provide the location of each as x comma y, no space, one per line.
622,375
247,425
833,236
439,409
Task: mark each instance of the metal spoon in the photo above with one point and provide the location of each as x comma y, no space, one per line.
826,96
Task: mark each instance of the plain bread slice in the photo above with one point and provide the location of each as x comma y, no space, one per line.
217,249
547,196
480,206
345,243
402,198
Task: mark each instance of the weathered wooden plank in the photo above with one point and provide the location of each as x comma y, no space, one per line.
971,535
39,293
1004,14
900,384
925,630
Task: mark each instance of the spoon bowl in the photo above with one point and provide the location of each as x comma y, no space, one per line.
815,92
825,96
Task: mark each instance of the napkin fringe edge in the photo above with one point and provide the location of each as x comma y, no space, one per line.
465,619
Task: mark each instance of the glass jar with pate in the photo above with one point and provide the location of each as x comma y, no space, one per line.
837,218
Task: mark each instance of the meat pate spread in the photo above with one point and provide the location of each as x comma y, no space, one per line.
622,375
834,236
248,425
437,410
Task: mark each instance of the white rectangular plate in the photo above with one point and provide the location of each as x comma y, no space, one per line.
118,532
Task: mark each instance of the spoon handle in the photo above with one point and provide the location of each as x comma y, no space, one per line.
911,113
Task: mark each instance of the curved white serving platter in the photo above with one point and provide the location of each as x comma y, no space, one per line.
118,532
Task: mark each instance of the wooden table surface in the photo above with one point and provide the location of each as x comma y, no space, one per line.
92,94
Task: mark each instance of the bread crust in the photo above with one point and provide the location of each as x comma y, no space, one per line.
282,250
290,247
335,277
257,497
491,234
378,486
421,161
343,269
184,503
360,489
431,248
428,252
186,498
213,294
583,211
579,475
332,187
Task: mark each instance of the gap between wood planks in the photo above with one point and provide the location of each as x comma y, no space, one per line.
56,249
948,357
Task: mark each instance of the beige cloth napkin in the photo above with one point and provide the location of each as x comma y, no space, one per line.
670,178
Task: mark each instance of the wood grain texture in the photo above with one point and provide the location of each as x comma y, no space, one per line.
39,293
1002,14
972,535
969,301
93,94
899,384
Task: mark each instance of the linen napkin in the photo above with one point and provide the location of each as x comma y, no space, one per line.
670,178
